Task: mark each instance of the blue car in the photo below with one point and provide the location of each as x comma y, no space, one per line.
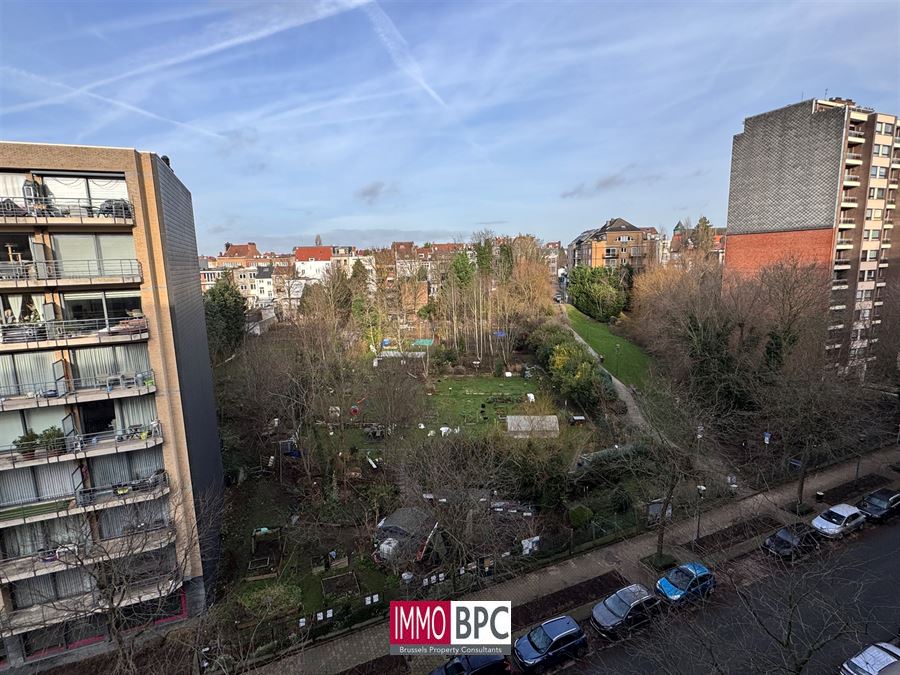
550,644
686,583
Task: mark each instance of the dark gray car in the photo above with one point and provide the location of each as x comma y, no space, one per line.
625,610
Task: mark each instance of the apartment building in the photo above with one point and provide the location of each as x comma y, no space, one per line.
616,244
110,468
818,181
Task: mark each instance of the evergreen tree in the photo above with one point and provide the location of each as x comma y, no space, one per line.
225,323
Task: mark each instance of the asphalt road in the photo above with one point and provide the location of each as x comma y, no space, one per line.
821,610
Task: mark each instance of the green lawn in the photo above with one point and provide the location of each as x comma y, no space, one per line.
458,400
630,366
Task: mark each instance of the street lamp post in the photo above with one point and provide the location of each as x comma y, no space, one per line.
700,490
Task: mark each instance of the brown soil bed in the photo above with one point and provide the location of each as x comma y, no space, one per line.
844,491
383,665
734,534
566,599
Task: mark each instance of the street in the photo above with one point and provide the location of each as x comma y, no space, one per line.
860,604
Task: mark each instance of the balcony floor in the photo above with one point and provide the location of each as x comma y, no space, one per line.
100,337
111,549
26,282
67,506
80,396
15,460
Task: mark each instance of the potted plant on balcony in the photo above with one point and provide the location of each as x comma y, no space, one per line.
51,439
27,443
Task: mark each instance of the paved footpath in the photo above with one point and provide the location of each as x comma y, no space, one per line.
372,642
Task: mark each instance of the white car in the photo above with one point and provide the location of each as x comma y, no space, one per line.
878,658
839,520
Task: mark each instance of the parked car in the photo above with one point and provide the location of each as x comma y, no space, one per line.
686,583
792,541
839,521
872,660
880,505
624,611
550,644
474,664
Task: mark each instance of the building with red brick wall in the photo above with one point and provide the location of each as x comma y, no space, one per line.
818,181
748,253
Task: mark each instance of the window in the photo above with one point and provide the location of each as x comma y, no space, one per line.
877,214
876,149
888,128
869,255
885,150
865,294
878,172
867,275
861,315
878,127
876,193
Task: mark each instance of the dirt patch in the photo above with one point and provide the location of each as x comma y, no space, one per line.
735,534
340,585
383,665
854,488
566,599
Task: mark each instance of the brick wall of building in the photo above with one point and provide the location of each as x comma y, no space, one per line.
748,253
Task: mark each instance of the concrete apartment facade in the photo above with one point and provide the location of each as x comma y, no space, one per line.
110,468
818,181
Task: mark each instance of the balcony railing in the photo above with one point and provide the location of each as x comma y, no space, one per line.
845,242
841,261
846,199
43,331
64,502
62,449
135,538
48,208
854,156
37,394
126,592
856,133
851,177
25,272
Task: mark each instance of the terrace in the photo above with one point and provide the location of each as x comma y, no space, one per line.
127,593
63,273
80,446
66,391
72,332
65,210
81,500
140,538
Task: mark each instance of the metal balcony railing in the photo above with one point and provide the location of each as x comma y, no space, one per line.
120,593
109,383
842,261
132,438
123,490
856,133
39,331
25,271
845,242
854,155
135,538
65,207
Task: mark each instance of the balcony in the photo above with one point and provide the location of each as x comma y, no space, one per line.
846,223
62,210
82,500
843,244
856,136
25,336
127,593
63,273
30,395
140,538
842,264
853,158
80,446
897,141
890,204
851,180
849,202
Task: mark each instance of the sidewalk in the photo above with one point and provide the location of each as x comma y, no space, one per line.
372,642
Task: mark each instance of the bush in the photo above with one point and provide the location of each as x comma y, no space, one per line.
580,516
273,598
499,368
620,500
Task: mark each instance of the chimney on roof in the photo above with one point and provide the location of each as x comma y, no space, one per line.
227,245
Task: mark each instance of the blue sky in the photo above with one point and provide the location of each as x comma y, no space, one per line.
368,122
